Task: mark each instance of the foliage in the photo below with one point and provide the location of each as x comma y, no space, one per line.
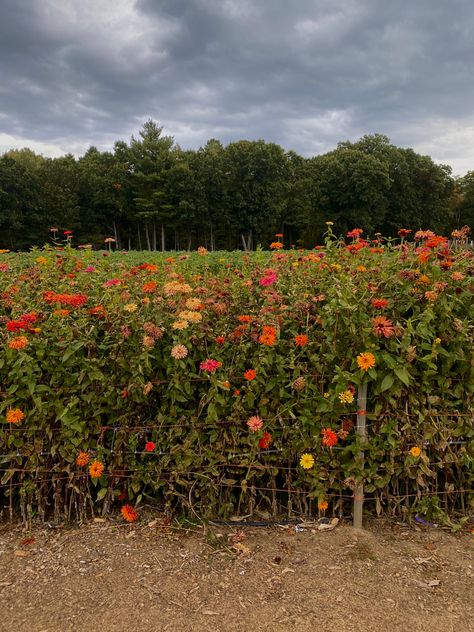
200,380
151,194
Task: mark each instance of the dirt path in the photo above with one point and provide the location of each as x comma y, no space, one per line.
119,578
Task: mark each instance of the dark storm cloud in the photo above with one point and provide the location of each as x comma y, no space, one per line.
304,74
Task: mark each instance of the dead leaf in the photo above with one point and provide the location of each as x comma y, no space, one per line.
242,549
20,553
100,520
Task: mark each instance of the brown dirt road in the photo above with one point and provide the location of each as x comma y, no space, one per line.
118,578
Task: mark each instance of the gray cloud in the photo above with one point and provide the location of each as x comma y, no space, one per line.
305,74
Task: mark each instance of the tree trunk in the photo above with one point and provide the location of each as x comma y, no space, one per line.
163,238
212,240
147,235
154,236
139,237
116,236
244,242
189,240
129,244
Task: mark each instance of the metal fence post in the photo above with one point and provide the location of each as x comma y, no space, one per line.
361,431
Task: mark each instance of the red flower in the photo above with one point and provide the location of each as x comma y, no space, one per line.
404,232
220,340
210,366
379,303
149,446
265,441
250,375
329,437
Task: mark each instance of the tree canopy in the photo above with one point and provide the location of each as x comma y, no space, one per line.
149,193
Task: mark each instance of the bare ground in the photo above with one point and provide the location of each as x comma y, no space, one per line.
117,578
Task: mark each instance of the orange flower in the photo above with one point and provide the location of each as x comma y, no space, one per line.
20,342
96,469
15,415
366,361
244,318
250,375
415,451
82,459
276,245
129,514
323,505
301,340
329,437
149,287
267,339
379,303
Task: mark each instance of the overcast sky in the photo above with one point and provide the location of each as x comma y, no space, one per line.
303,73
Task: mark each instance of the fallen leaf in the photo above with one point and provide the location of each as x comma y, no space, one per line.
20,553
242,549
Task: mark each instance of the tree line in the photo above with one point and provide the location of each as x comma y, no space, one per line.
151,194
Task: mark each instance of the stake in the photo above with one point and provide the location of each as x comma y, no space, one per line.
361,431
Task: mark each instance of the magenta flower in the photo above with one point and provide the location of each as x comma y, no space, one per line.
89,269
112,282
269,277
210,366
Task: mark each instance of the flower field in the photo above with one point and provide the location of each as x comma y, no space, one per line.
220,384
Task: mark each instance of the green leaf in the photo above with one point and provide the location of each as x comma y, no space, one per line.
402,375
387,383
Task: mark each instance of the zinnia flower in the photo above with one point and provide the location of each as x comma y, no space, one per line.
346,397
415,451
250,375
379,303
265,441
301,340
366,360
82,459
307,461
129,514
149,446
20,342
255,423
329,437
180,324
131,307
179,352
276,245
323,505
15,415
210,366
382,326
96,469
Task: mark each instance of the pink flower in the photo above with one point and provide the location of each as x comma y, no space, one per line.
255,423
149,446
112,282
89,269
210,366
269,277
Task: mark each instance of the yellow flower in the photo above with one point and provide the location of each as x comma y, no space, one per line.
180,324
131,307
415,451
42,260
326,395
437,341
346,397
307,461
